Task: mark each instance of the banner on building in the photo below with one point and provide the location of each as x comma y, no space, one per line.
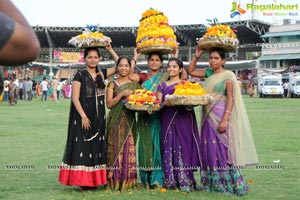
60,56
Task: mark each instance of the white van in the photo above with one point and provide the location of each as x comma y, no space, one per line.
294,84
270,85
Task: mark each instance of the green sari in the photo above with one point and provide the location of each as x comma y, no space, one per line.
149,145
121,141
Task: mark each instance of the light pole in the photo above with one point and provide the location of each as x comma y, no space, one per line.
50,63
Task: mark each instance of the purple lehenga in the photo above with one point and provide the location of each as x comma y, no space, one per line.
180,144
223,155
121,140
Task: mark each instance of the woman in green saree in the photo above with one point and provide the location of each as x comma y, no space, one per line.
121,130
148,127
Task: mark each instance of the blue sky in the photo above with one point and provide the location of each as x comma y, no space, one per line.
128,12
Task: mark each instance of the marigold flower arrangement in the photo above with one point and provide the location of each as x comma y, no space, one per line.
142,100
90,37
154,30
219,35
189,93
187,88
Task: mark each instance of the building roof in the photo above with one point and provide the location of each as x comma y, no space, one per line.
284,33
248,32
280,57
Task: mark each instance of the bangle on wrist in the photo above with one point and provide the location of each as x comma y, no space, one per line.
228,111
197,57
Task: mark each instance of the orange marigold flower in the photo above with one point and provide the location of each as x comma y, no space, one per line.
163,190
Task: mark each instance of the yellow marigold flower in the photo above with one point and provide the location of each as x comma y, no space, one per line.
163,190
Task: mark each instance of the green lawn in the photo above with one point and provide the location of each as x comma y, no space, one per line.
33,134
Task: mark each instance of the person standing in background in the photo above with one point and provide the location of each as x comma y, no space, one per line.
54,85
20,88
286,88
38,88
251,88
12,92
67,89
240,83
28,89
58,90
6,90
33,88
45,86
17,83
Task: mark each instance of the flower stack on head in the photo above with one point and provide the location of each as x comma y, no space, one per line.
155,33
188,93
90,37
142,100
219,35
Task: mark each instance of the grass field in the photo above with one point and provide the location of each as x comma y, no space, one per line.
33,135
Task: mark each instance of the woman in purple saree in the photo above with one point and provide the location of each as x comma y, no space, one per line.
180,136
226,138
